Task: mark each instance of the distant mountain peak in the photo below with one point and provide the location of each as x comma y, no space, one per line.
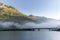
1,3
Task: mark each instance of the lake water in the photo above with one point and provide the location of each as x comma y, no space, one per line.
30,35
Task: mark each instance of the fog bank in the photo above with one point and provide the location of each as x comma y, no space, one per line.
49,24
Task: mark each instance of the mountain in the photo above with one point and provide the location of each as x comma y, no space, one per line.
9,13
40,19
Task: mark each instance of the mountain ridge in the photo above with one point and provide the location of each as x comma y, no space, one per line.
39,19
9,13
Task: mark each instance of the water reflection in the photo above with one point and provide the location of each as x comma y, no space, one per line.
29,35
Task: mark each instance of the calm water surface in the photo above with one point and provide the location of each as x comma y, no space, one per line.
29,35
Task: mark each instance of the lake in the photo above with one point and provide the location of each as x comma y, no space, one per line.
30,35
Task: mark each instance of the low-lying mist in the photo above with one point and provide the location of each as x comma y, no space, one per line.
49,24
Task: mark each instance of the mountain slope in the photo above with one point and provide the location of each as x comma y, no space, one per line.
40,19
9,13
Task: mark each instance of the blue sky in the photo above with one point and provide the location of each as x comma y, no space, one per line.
47,8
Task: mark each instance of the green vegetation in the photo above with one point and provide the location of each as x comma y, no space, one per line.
9,13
